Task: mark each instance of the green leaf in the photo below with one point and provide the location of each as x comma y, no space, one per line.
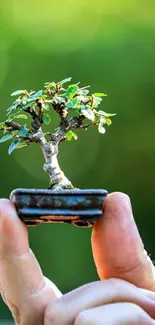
15,132
11,108
76,102
32,92
51,85
21,116
102,113
65,80
11,117
71,91
70,134
109,115
6,138
102,121
96,101
108,121
22,144
46,107
60,99
69,105
38,94
13,146
73,104
100,95
105,114
101,129
23,132
84,99
35,96
46,118
83,92
18,92
88,113
2,124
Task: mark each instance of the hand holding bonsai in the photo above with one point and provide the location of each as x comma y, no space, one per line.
117,247
119,257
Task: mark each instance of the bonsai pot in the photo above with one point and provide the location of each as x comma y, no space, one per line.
79,207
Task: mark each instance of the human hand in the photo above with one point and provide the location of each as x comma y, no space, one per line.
32,298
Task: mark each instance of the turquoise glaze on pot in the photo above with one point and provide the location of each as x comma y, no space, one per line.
78,207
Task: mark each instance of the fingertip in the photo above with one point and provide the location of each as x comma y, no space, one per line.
5,204
118,196
116,203
13,232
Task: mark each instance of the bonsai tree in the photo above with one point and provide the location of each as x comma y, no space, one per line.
76,110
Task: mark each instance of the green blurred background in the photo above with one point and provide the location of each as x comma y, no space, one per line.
111,46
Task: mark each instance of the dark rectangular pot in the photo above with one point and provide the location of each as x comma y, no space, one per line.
79,207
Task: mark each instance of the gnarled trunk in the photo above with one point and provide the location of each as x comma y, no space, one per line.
57,178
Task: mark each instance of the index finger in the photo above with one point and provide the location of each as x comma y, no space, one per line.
21,279
117,246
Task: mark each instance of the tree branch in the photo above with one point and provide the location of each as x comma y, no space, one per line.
86,126
13,125
31,111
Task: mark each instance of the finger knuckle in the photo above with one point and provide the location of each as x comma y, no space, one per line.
84,318
52,315
138,312
117,285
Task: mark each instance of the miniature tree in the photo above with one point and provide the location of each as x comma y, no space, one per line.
76,109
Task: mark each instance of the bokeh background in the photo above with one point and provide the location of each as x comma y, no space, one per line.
111,46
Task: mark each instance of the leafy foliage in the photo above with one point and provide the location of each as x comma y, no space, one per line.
37,107
46,118
13,146
6,138
70,135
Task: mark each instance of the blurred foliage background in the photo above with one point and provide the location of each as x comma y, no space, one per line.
111,46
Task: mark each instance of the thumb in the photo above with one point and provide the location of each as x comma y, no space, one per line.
117,246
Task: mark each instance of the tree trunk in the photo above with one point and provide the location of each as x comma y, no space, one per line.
57,178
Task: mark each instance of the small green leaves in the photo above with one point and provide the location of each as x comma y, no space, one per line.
11,108
73,105
6,138
18,92
46,118
100,95
70,135
101,129
96,101
38,94
35,96
13,146
105,114
88,113
22,144
50,85
71,91
69,105
16,115
83,92
108,121
23,132
65,80
2,125
23,116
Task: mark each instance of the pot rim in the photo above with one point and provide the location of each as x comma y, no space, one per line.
58,192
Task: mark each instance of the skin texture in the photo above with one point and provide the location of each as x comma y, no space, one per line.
127,274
